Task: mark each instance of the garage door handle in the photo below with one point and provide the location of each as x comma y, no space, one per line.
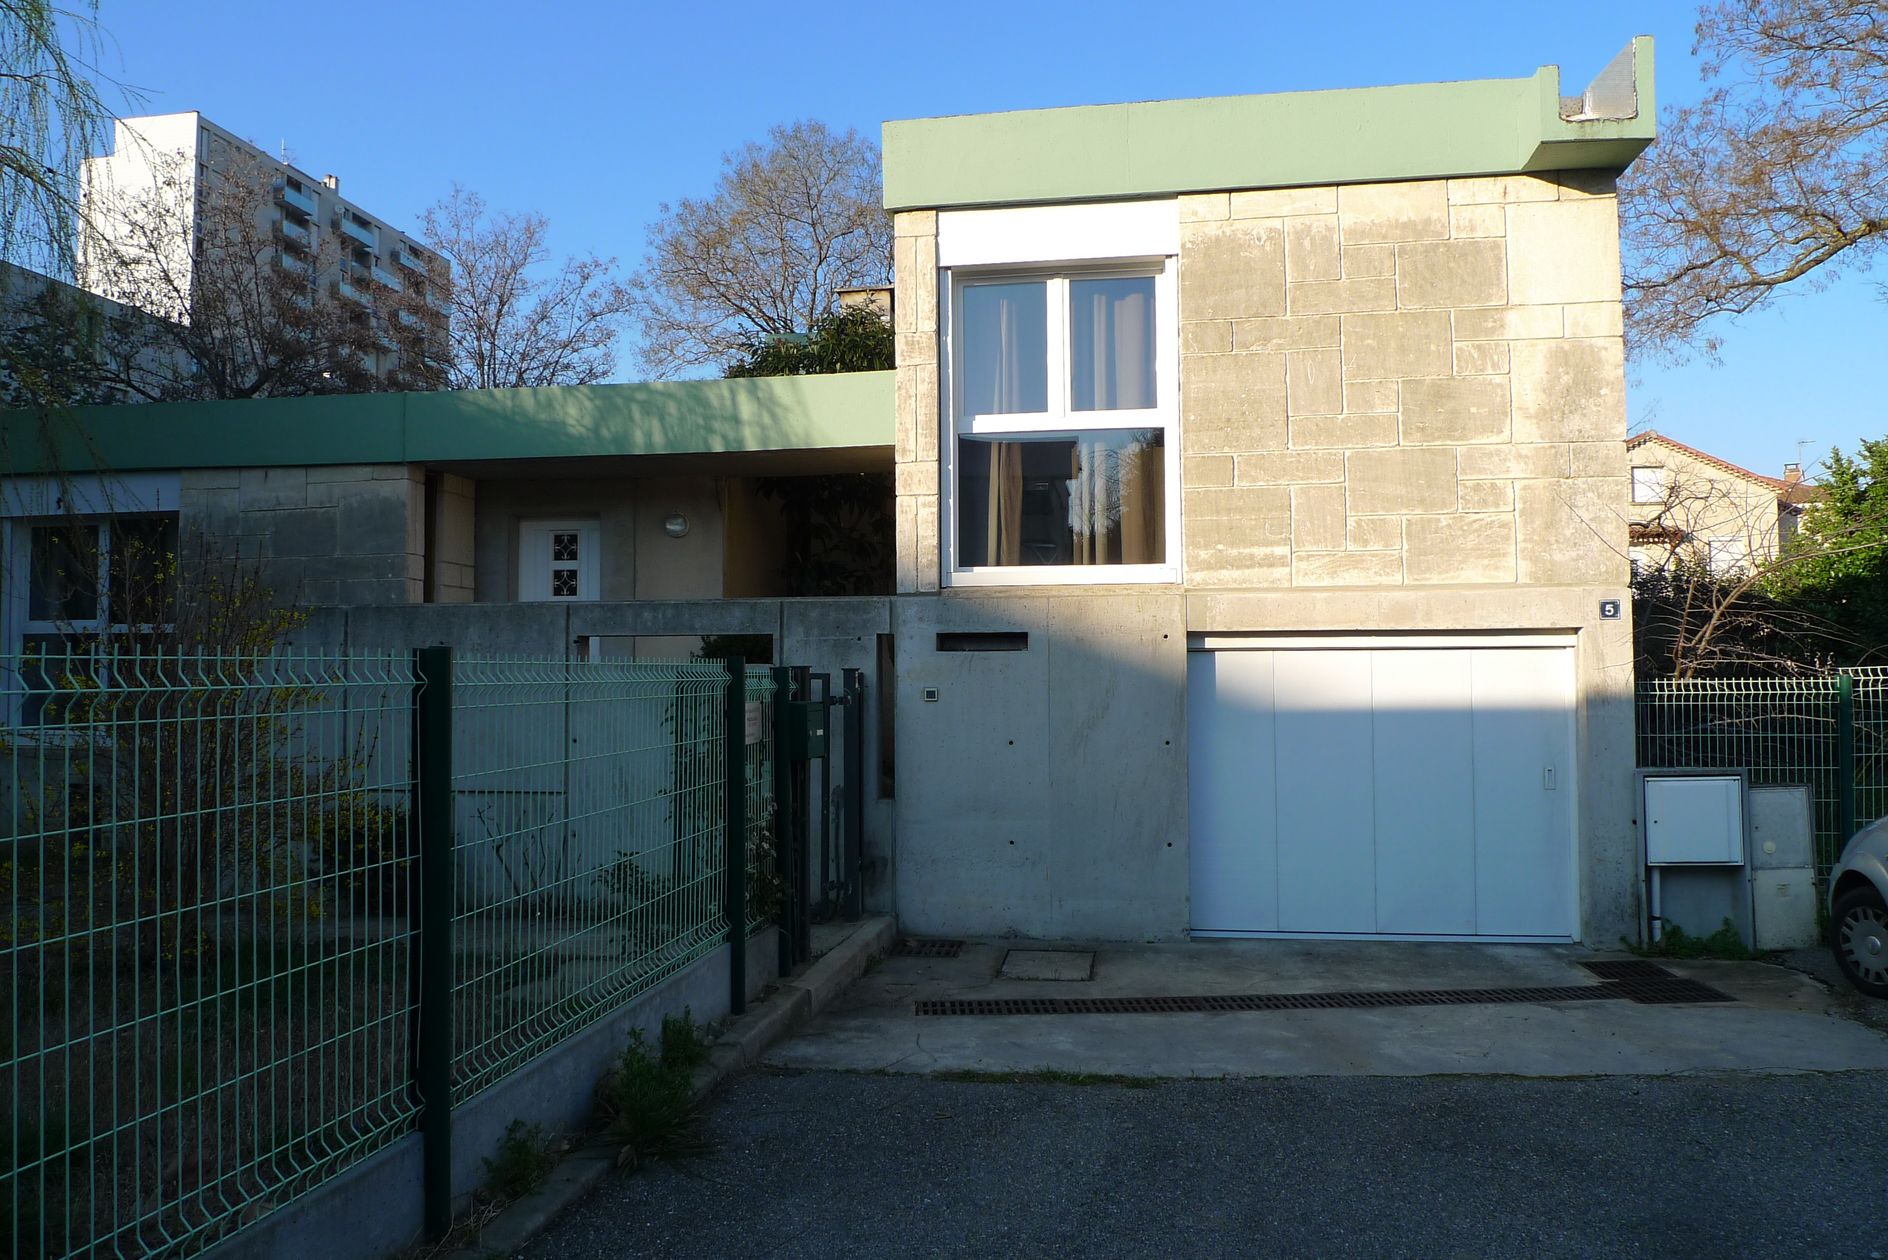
1547,779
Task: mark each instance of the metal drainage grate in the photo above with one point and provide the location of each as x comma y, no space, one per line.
1649,990
910,948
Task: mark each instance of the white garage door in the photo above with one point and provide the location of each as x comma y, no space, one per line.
1383,791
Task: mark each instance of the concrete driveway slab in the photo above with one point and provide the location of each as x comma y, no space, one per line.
1781,1021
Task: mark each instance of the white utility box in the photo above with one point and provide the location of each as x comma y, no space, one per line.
1695,820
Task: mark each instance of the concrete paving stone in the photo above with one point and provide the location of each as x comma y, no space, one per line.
1781,1021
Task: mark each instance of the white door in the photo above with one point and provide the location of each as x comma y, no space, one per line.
1383,791
557,560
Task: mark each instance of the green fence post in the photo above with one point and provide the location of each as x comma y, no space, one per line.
734,816
1845,759
784,847
432,814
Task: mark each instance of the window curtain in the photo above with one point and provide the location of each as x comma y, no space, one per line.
1004,537
1111,351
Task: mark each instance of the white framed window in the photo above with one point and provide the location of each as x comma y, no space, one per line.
1725,556
1651,484
76,582
1061,455
557,561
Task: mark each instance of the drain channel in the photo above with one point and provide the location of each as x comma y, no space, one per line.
1639,986
912,948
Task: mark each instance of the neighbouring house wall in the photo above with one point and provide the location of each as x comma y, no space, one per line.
1708,504
340,534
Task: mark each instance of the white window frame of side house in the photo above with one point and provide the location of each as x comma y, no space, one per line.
1662,490
536,565
82,503
1058,244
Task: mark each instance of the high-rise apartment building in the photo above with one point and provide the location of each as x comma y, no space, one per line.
316,234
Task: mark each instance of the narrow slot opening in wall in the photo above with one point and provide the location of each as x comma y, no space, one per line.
984,641
886,681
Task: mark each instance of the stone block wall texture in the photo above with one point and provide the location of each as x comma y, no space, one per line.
342,534
454,515
1403,384
914,316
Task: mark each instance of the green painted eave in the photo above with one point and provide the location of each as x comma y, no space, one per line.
1280,140
779,413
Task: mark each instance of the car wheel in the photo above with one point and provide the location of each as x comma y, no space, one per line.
1861,940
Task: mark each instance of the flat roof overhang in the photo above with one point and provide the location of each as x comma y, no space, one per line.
1279,140
794,417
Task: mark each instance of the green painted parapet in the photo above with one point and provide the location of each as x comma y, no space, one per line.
1280,140
779,413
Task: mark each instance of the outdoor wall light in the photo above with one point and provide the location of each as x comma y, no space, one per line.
676,526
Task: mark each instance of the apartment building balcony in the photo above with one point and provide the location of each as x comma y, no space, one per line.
347,288
298,236
300,203
411,261
298,266
358,230
384,277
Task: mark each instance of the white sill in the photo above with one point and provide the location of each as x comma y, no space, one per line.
1066,575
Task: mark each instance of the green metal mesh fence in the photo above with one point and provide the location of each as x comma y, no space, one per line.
590,849
212,879
1784,733
206,862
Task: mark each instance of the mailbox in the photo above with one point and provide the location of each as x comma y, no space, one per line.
806,729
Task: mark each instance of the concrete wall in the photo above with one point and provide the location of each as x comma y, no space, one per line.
339,534
453,539
1044,792
376,1208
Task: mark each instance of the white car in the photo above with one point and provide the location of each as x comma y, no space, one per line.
1858,910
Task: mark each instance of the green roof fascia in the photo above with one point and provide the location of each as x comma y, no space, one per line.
1279,140
776,413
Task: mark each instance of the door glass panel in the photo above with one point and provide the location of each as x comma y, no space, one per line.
64,571
1005,349
1111,344
1084,498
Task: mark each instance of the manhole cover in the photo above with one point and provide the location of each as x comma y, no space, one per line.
1048,964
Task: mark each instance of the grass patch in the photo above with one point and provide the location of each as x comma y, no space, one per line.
684,1042
648,1100
1047,1076
1675,942
524,1158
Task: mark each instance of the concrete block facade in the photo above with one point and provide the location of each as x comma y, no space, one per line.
335,534
1402,410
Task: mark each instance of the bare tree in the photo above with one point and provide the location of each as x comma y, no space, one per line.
1714,587
1779,176
789,223
515,319
228,301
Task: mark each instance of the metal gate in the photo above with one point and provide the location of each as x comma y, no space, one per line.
822,846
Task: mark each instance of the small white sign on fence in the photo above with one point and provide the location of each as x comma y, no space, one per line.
756,723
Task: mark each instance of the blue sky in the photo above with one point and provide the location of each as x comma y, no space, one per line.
594,113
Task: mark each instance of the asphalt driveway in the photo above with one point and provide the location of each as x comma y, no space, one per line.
824,1165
